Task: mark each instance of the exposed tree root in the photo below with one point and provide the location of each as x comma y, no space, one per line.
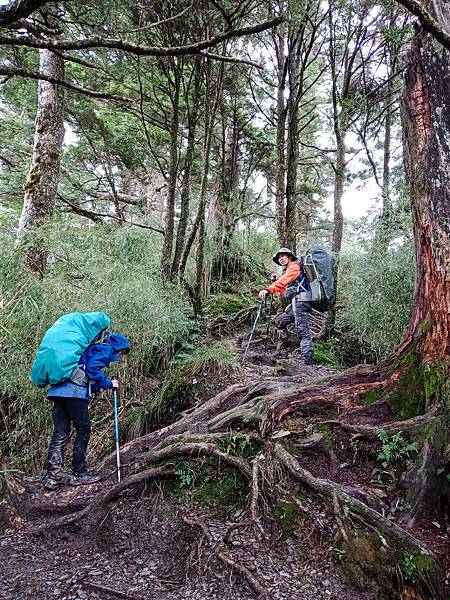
255,409
330,489
229,323
165,452
104,498
254,510
227,560
196,449
339,396
406,426
194,422
338,515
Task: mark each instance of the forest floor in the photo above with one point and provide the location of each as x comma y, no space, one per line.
191,536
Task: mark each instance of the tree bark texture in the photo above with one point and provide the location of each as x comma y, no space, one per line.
426,129
340,168
295,91
223,213
198,227
43,177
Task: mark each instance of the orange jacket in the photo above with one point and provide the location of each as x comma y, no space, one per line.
280,285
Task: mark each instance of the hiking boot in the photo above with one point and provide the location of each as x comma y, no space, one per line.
281,342
85,479
308,358
51,483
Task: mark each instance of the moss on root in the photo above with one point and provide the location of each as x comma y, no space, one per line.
207,483
287,514
368,562
370,397
325,430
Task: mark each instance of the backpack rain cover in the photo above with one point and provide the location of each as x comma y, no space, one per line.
324,262
63,344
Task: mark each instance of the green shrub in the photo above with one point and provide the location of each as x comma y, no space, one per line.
227,304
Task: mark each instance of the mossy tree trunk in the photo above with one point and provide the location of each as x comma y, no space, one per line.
425,113
42,181
193,105
225,209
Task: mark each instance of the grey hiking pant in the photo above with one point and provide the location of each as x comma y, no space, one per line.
297,312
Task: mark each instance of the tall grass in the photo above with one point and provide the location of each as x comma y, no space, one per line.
375,294
114,270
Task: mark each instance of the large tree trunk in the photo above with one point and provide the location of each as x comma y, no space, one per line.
43,177
226,206
295,90
425,112
198,228
426,127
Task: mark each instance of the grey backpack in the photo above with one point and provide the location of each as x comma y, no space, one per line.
318,264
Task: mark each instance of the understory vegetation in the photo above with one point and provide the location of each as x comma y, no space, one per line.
115,269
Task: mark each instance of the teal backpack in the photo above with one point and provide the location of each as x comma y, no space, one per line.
64,343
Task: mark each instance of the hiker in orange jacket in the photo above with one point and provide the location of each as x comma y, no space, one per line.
300,306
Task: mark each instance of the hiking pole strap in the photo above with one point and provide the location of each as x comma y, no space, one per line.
116,427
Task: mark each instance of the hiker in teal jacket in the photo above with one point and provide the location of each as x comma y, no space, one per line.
70,406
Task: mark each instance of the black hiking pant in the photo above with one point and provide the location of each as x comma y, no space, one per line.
297,312
68,411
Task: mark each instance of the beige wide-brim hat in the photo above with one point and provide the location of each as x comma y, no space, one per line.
283,251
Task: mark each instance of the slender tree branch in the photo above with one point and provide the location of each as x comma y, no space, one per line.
99,42
162,21
95,216
16,72
230,59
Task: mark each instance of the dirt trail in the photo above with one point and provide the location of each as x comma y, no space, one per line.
155,539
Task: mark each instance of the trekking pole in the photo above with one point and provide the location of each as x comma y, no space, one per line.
258,314
268,323
116,425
